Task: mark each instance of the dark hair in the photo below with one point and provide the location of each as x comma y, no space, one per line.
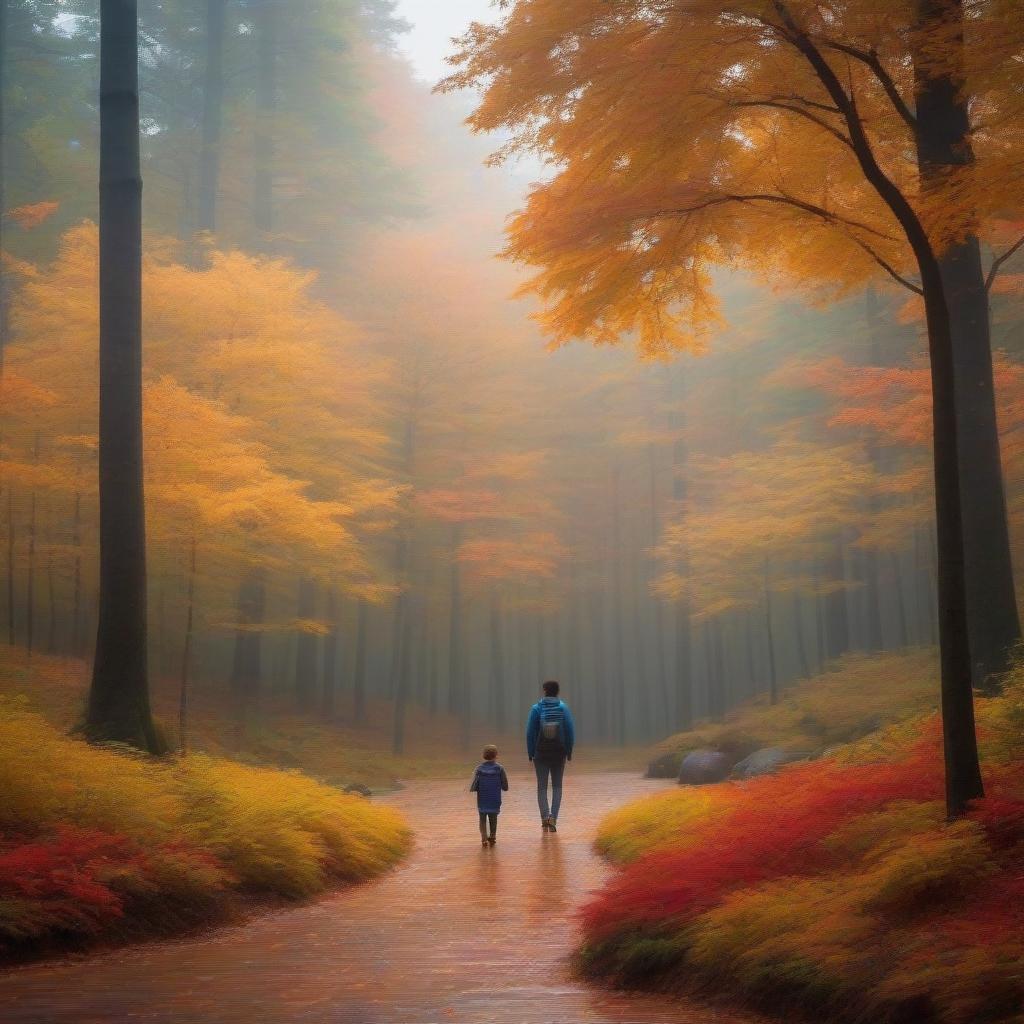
551,688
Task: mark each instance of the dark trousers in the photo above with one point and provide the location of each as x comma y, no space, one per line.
491,818
554,771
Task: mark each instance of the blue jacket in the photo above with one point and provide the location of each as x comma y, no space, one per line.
489,780
552,709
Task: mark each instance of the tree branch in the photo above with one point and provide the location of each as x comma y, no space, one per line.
998,262
871,60
779,105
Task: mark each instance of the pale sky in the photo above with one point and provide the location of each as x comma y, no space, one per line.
434,22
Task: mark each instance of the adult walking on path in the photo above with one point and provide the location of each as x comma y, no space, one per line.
550,735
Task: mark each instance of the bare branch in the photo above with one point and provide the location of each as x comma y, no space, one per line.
871,60
998,262
806,114
886,266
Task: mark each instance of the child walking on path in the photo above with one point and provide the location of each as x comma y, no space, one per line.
489,780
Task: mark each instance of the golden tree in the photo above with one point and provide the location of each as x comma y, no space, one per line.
777,133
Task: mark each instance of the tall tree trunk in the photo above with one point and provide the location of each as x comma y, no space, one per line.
944,147
30,585
305,647
801,642
773,680
661,679
329,690
76,599
118,707
716,669
186,651
618,682
51,602
213,110
266,113
872,568
247,664
901,604
497,661
837,618
458,700
680,458
10,566
359,668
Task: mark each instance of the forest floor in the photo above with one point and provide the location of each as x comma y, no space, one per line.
338,752
456,934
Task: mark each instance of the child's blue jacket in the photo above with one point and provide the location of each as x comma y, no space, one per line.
489,780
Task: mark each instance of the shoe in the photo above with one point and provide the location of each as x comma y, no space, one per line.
484,843
492,840
545,826
550,825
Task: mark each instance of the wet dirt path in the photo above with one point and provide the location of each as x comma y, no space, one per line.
457,935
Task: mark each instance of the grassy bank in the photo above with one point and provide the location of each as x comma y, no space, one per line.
99,845
338,752
853,697
835,887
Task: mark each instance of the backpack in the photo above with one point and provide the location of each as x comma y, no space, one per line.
550,739
488,787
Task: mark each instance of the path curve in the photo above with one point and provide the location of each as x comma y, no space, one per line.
458,935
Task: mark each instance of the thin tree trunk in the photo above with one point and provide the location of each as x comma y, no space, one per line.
901,604
186,651
456,697
660,661
10,566
497,661
773,681
618,682
359,669
266,102
680,458
76,605
213,109
30,586
305,647
801,643
51,595
329,688
247,665
119,707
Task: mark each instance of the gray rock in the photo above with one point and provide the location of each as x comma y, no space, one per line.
766,761
358,789
701,767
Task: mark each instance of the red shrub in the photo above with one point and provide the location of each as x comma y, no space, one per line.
775,829
63,877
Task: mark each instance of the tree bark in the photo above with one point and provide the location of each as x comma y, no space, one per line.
213,111
247,665
10,566
305,647
266,103
497,661
329,689
944,146
186,651
76,600
359,669
684,680
118,707
618,681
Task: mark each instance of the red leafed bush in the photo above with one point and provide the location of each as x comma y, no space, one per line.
748,845
58,883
